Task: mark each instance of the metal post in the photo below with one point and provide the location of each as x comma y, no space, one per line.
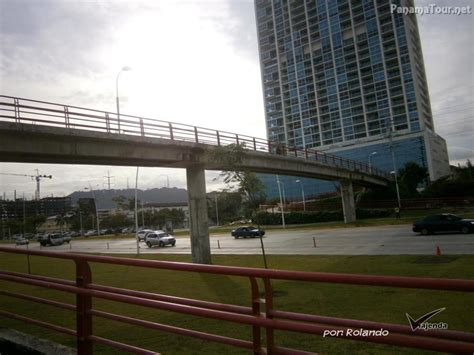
256,332
136,213
171,131
217,211
83,307
80,222
281,203
302,194
268,310
117,94
96,209
263,250
394,169
28,259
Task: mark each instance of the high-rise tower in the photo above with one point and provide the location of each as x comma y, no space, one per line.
347,77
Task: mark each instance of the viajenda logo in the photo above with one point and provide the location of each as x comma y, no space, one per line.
422,323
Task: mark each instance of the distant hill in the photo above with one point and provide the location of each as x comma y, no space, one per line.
104,197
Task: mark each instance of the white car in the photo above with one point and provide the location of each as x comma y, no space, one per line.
21,241
142,234
161,239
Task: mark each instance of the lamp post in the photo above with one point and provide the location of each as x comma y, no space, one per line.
302,194
370,161
394,173
167,179
217,209
281,203
136,212
95,204
117,93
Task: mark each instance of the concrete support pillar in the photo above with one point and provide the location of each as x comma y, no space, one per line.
200,245
348,204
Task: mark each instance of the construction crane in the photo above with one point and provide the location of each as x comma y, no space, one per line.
36,177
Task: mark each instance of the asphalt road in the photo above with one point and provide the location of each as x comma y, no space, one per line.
380,240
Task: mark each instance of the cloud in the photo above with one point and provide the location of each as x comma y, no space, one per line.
448,49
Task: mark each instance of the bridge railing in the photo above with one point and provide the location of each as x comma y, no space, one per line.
261,316
21,110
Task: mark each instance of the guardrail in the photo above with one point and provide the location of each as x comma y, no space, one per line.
21,110
267,321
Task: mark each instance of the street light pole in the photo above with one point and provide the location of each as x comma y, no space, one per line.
302,194
136,213
80,222
167,180
96,210
394,172
370,161
217,210
117,94
281,203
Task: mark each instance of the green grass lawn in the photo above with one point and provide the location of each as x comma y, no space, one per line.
359,302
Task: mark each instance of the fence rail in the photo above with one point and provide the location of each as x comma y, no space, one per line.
21,110
261,315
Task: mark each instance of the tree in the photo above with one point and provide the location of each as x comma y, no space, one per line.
247,182
61,221
461,183
229,205
115,220
121,202
411,176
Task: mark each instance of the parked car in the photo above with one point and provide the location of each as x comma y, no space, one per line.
90,233
21,241
128,230
142,234
52,239
38,236
247,232
66,237
159,238
443,223
106,231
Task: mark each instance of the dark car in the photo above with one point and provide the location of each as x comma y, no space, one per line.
52,239
443,223
247,232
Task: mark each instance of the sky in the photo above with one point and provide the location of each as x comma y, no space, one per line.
193,62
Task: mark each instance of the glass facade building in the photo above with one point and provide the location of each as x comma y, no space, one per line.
347,77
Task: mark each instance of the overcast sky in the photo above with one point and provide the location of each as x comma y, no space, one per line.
192,62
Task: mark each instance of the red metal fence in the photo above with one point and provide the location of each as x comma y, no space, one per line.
20,110
267,320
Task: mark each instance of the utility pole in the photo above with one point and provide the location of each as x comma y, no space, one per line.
80,222
24,215
108,177
281,203
217,209
395,174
